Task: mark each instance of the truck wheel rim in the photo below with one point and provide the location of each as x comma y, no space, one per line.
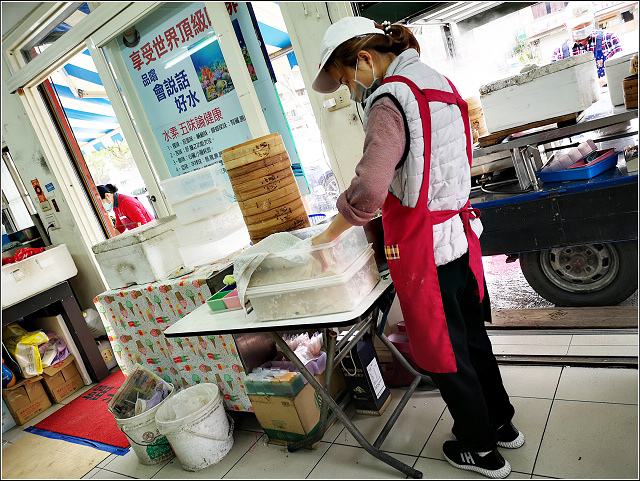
581,269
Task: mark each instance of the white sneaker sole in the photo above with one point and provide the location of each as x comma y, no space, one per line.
516,443
503,472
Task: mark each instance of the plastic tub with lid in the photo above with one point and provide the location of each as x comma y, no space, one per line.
295,265
325,295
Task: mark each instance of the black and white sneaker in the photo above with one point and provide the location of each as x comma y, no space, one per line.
491,465
509,436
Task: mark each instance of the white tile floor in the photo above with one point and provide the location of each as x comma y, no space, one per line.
579,423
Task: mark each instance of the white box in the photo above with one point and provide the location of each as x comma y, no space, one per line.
211,228
616,69
142,255
560,88
326,295
211,251
177,189
204,205
36,274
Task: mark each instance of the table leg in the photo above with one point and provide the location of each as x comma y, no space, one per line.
327,399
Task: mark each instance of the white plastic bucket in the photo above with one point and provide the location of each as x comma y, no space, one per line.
197,426
149,445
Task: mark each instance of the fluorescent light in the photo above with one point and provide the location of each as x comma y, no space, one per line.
199,45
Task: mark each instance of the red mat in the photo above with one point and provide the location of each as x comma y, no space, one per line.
87,416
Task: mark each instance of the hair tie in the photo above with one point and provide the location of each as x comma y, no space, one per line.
386,25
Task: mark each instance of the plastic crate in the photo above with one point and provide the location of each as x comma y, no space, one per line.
606,160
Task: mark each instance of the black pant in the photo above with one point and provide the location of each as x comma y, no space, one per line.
475,395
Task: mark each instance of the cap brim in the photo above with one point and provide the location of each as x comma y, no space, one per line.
324,83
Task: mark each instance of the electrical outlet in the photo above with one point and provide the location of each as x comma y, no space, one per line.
50,222
341,98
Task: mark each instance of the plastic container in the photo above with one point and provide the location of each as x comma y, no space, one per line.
293,265
197,426
178,189
204,205
140,256
327,295
616,69
606,160
212,228
224,298
211,251
35,274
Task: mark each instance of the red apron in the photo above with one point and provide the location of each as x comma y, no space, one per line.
408,236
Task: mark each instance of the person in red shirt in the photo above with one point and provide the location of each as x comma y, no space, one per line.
129,211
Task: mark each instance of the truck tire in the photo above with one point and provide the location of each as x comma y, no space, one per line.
588,275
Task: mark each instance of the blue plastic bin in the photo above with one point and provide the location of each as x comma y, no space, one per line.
606,160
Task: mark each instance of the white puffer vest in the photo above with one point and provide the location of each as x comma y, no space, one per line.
450,175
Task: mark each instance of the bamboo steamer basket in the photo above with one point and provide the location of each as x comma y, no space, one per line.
266,162
476,116
263,175
265,187
271,200
630,91
271,187
257,234
276,215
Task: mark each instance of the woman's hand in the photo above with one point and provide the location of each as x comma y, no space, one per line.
337,227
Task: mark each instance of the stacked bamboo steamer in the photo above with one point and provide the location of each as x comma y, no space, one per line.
476,116
630,85
265,187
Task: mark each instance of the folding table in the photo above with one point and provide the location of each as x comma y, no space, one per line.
368,317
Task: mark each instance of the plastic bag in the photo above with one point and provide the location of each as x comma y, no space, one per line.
24,347
54,350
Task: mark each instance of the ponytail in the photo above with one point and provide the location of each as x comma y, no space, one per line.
396,39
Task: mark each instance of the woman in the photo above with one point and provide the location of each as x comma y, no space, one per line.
129,211
431,233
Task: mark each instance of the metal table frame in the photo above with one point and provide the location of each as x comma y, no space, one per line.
369,317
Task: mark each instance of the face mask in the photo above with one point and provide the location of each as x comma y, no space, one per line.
108,206
582,33
362,93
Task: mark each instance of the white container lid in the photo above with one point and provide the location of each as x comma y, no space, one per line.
139,234
619,58
315,283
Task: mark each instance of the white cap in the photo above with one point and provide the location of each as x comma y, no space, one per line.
578,13
344,29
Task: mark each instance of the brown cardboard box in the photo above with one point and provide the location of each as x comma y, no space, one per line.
26,399
291,418
62,379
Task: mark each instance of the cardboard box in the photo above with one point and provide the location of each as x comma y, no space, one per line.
291,418
26,399
62,379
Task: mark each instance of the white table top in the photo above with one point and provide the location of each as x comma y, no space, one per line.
203,321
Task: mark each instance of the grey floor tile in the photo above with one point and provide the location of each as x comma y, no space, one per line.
590,440
532,339
599,384
91,473
349,462
605,340
275,462
242,443
530,381
601,351
412,428
440,469
106,474
530,418
530,349
129,465
107,460
334,431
